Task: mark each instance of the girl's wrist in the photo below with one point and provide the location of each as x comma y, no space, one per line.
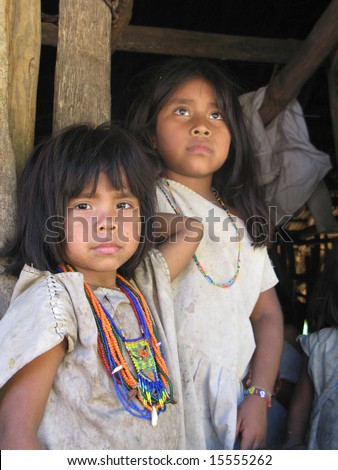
260,392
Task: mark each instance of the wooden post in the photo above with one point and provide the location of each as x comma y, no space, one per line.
82,76
7,156
333,94
286,85
24,32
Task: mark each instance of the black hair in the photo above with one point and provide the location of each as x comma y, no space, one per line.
58,169
237,179
323,302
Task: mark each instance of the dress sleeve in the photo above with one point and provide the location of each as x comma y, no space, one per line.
269,278
318,341
305,342
153,270
37,320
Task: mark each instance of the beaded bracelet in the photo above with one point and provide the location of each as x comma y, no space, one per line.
259,392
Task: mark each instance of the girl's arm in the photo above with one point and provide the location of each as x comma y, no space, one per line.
178,238
267,324
24,398
300,410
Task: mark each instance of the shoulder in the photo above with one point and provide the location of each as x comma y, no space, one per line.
43,286
264,265
40,316
153,266
325,339
29,278
35,288
42,302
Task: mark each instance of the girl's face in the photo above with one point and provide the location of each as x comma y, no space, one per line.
191,134
103,231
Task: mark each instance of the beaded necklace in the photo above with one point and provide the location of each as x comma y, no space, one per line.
171,199
151,385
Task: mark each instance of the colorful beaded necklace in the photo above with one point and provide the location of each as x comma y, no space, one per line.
151,385
171,199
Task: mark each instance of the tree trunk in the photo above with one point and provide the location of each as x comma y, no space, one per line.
7,157
82,76
24,45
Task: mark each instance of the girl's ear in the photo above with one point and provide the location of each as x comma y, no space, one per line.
153,141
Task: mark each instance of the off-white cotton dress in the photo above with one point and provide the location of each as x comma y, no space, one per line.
215,337
83,410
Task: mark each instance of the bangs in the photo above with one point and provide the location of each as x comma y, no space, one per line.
86,178
115,154
171,77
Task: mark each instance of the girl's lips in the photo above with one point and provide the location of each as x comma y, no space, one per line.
199,148
107,248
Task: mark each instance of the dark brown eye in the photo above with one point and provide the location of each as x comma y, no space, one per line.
83,206
216,115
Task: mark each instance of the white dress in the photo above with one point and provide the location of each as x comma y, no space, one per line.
215,336
83,410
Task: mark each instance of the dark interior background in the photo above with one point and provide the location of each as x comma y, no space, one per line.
258,18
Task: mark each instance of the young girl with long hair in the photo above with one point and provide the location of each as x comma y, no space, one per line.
88,344
228,318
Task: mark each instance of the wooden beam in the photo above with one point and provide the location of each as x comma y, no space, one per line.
49,34
286,85
150,40
333,95
209,45
122,11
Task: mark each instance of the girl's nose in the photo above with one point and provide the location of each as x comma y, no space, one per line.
107,222
200,131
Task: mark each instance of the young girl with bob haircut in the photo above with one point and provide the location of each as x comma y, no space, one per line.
228,318
88,344
313,412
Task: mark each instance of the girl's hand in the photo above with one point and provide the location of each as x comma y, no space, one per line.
178,238
252,423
